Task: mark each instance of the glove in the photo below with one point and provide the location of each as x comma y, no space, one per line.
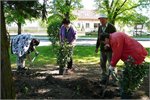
37,53
107,46
111,68
113,73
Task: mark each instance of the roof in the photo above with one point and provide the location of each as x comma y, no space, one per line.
86,14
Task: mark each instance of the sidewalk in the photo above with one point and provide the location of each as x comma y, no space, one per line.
146,44
45,37
88,41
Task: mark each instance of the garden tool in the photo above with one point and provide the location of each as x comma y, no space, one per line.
31,62
36,54
114,76
104,90
107,81
33,59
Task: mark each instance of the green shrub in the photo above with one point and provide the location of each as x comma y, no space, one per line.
64,54
53,29
133,76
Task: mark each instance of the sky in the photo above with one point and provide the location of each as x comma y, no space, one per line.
88,4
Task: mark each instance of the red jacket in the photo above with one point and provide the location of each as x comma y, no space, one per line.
123,46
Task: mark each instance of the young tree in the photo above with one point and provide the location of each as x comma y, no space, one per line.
7,88
19,11
64,8
120,9
60,9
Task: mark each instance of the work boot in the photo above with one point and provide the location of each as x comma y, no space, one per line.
126,95
19,69
70,71
104,79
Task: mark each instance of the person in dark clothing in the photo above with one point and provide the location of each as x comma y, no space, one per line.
68,35
105,52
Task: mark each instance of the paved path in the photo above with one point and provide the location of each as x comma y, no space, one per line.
90,41
146,44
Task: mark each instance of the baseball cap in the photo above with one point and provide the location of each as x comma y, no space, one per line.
102,16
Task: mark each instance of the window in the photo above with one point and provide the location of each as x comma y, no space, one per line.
96,25
87,25
79,25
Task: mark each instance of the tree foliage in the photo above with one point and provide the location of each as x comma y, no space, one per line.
133,75
53,28
132,19
64,8
148,25
63,54
60,9
19,11
121,9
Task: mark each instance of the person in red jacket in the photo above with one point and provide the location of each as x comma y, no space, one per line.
123,46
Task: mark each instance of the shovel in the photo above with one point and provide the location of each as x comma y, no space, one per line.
31,63
107,81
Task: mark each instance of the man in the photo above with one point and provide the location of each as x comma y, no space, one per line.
128,50
68,35
105,53
22,45
124,46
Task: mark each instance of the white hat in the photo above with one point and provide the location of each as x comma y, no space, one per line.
102,16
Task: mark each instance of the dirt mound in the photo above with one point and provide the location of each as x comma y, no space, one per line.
40,84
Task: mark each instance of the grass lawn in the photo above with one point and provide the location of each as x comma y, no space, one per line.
82,55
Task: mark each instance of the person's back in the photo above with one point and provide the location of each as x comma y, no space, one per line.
22,45
124,46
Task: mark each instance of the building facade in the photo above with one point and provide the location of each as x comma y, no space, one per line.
87,20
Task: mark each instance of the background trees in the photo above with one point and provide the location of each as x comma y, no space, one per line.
122,10
60,9
64,8
19,11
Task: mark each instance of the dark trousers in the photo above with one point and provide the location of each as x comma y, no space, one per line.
104,57
69,63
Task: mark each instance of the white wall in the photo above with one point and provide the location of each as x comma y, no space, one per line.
83,25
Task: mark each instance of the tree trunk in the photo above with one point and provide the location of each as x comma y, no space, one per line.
112,21
67,16
7,88
19,27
